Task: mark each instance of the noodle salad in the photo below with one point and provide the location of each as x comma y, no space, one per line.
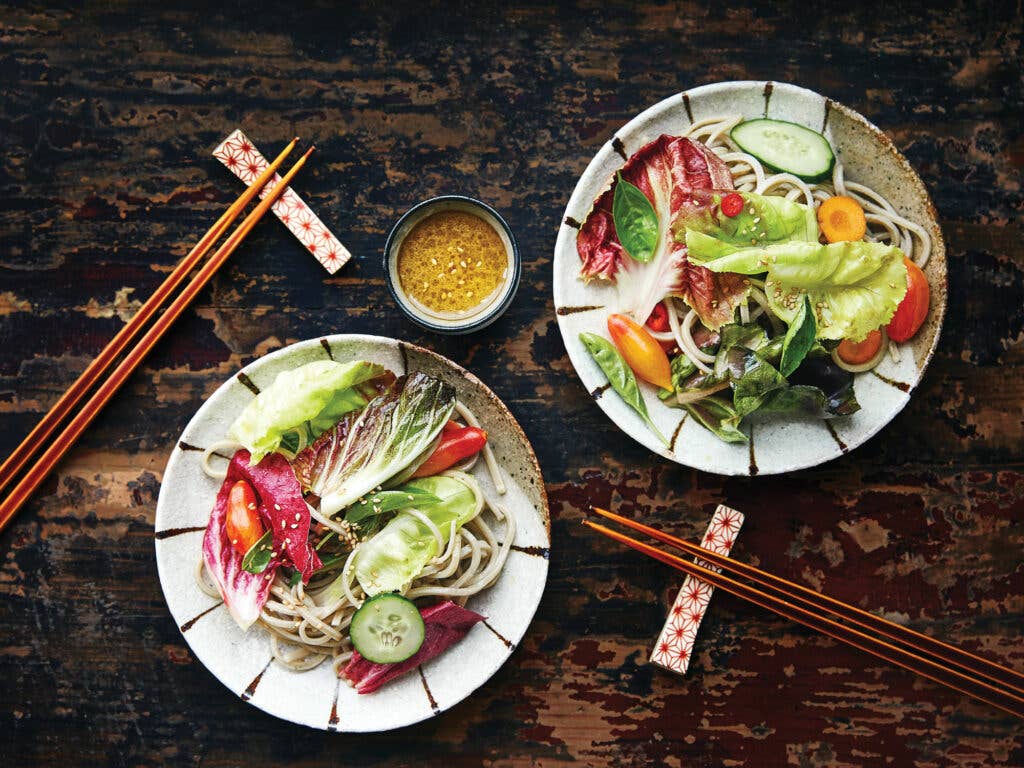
348,524
753,278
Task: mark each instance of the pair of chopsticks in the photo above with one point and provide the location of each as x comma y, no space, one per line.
42,438
938,661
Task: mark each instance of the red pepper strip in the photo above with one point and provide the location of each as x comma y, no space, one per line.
455,446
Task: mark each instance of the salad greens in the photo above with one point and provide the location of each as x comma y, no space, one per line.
362,453
378,503
799,339
854,287
396,555
312,397
620,376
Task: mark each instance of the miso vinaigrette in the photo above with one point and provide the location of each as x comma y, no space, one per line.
452,262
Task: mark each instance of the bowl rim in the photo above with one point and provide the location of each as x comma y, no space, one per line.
568,227
477,323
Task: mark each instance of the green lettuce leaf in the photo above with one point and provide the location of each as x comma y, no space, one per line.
397,554
718,415
364,451
854,287
764,219
298,396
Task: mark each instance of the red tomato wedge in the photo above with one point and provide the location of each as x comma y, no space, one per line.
912,311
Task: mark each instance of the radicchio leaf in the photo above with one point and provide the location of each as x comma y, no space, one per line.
676,175
444,625
282,510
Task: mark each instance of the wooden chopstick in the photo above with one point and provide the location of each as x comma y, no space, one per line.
124,369
91,375
949,653
958,680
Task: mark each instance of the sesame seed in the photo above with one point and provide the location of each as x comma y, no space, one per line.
462,264
298,516
234,541
295,525
277,507
434,262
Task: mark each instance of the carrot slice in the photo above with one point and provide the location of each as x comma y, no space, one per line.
860,352
841,218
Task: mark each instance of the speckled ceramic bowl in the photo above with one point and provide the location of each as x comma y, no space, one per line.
242,661
869,157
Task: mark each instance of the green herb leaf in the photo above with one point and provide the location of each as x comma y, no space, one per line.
257,558
719,416
403,497
799,338
620,376
636,222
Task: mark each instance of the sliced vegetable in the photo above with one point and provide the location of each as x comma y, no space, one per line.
842,219
732,204
636,223
860,352
912,311
455,446
387,629
799,339
396,555
676,175
761,220
786,147
243,525
380,502
640,350
854,287
298,396
444,625
360,454
619,375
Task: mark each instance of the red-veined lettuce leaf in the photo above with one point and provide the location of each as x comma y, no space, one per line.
677,176
444,625
282,509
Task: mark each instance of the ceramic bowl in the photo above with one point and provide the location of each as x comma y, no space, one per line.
242,660
868,157
450,323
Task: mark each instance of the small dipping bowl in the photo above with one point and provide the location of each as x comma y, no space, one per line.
490,307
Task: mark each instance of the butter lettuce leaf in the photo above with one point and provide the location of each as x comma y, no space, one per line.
764,219
854,287
396,555
318,393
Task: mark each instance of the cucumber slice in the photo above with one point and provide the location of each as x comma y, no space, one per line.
786,147
387,629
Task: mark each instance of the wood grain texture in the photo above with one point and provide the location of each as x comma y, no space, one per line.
108,115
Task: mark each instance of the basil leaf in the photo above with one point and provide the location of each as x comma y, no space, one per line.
620,376
799,338
257,558
403,497
636,222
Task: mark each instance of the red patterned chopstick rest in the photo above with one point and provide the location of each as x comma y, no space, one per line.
674,646
244,160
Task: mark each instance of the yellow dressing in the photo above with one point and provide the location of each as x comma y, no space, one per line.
451,261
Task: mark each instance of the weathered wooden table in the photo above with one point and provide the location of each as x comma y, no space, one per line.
107,120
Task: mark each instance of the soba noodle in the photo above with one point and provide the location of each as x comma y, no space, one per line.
884,225
308,622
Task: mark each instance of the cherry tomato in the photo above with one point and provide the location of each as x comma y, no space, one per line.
658,322
860,352
456,445
912,311
732,205
641,351
243,525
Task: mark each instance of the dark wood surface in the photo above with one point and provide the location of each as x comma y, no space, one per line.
107,119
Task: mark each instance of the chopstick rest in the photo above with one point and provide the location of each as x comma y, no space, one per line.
674,646
243,159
